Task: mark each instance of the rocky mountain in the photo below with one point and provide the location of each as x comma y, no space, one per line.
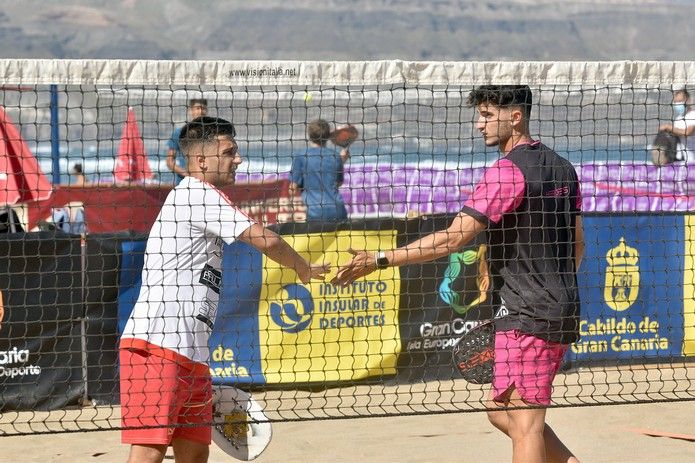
349,29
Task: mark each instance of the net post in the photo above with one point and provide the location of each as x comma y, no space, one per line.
55,135
83,319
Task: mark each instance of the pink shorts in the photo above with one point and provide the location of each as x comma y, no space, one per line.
158,396
528,363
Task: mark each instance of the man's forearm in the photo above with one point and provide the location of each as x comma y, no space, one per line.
430,247
272,245
438,244
282,253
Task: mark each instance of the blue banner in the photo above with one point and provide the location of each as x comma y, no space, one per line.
631,288
132,260
234,344
235,355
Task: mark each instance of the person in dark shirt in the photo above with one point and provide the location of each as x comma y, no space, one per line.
317,173
80,179
176,161
530,204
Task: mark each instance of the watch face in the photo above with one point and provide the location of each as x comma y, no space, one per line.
381,260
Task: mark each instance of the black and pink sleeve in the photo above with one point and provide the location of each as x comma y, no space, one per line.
578,199
499,192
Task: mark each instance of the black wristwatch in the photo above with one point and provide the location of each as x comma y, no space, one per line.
381,260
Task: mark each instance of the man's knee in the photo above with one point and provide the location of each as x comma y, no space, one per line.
186,451
523,422
147,453
498,418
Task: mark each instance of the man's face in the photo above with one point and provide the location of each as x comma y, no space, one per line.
197,110
679,97
494,123
221,160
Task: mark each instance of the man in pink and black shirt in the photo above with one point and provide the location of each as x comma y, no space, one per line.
530,204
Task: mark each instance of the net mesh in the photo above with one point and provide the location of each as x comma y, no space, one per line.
382,346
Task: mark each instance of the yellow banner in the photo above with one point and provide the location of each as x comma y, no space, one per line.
320,332
689,287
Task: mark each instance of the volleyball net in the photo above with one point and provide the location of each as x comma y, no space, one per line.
85,147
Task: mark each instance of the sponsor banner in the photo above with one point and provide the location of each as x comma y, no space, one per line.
689,287
130,278
320,332
40,349
272,329
631,288
234,342
101,280
440,302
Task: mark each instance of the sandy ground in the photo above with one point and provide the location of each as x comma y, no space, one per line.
605,433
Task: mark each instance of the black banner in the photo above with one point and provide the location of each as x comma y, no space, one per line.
40,348
102,271
440,302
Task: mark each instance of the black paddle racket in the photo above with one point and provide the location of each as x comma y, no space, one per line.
474,353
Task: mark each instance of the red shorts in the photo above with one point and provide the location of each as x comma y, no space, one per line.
528,363
160,397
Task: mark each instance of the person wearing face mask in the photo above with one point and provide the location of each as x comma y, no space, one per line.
176,160
683,125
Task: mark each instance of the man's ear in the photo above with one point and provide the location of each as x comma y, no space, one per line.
516,117
200,160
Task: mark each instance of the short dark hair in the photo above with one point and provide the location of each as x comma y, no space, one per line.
503,96
683,92
204,129
77,168
194,101
319,131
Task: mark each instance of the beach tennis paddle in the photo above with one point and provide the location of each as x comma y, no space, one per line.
240,428
474,353
344,136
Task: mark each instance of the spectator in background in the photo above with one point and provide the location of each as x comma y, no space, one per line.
79,178
69,218
683,125
197,107
317,173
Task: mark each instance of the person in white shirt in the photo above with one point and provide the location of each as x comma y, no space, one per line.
683,125
165,380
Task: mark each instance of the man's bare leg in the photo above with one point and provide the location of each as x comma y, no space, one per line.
188,451
555,450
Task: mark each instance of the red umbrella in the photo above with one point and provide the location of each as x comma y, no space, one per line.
132,164
21,178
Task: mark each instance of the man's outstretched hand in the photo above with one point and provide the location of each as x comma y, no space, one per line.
314,272
362,263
